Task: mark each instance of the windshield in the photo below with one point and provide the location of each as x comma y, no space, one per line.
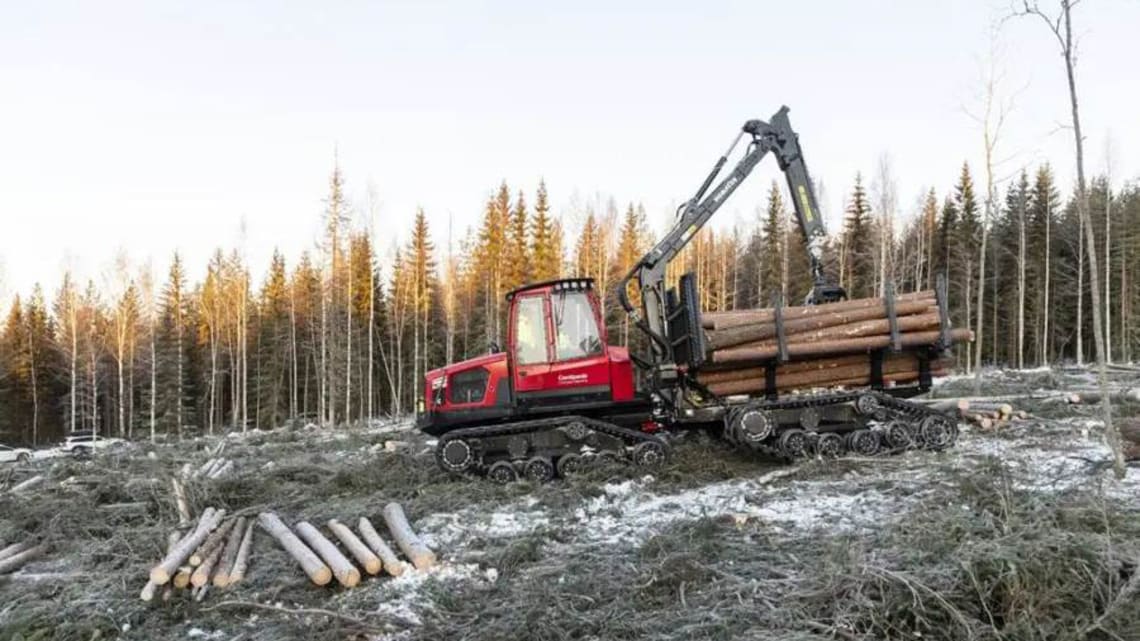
576,326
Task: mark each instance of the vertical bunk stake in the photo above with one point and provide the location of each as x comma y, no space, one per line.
892,317
781,338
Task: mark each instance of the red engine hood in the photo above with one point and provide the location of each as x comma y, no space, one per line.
479,361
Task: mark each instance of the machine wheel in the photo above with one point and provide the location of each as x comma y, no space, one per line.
794,443
456,456
753,426
649,454
867,405
829,445
898,436
539,469
568,464
502,473
937,432
576,430
863,442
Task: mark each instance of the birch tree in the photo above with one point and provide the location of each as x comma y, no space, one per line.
1060,24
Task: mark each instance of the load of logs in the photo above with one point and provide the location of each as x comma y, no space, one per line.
827,345
216,552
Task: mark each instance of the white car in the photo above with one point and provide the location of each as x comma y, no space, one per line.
14,454
82,443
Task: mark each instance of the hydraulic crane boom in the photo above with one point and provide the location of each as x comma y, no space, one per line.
774,136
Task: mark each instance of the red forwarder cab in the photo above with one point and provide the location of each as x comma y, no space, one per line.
556,362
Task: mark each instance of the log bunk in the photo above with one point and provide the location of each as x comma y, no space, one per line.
831,378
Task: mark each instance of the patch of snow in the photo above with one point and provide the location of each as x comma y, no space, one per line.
635,515
402,597
447,530
198,633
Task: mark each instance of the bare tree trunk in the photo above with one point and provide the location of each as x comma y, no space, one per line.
1108,264
1021,285
1045,342
1081,292
371,327
1062,28
35,387
73,321
293,352
348,341
153,376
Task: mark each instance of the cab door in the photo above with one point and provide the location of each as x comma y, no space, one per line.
580,371
529,340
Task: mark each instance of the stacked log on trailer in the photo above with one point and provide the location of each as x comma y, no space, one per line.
853,343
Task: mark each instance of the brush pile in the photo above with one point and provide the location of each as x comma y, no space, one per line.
830,345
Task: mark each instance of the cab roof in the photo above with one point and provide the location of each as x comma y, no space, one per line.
558,285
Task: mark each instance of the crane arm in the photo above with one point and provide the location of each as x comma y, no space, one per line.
774,136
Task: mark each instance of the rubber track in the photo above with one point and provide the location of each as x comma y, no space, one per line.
913,413
630,437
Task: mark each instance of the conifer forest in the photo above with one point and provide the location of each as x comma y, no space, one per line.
332,337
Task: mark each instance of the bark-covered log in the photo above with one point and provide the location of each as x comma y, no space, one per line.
392,564
222,469
752,332
736,372
722,320
215,541
149,589
343,569
17,561
836,347
14,549
410,544
162,572
241,564
206,467
229,554
312,564
27,484
836,376
201,575
877,327
365,557
180,502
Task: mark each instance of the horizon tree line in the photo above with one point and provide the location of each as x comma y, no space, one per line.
335,339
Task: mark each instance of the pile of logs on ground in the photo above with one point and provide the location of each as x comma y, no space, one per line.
323,561
213,468
215,552
984,413
825,345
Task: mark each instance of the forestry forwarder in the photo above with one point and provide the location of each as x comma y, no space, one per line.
559,396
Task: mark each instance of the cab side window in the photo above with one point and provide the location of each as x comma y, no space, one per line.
576,326
530,331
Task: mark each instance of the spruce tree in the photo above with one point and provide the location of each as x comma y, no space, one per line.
858,245
546,255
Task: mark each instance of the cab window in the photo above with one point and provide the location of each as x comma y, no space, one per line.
575,326
530,331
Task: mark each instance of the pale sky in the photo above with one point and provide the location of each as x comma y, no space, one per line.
155,126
